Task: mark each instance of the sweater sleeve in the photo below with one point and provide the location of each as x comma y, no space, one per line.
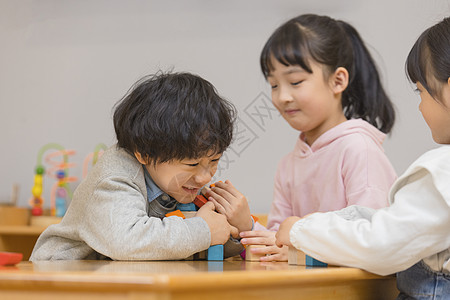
116,224
414,227
367,174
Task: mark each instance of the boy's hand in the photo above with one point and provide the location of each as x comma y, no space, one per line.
267,238
218,225
282,236
231,203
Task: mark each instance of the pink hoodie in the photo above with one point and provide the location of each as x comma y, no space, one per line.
345,166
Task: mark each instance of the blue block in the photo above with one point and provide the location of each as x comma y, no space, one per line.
186,206
215,252
312,262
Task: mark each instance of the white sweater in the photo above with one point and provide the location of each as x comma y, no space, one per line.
415,227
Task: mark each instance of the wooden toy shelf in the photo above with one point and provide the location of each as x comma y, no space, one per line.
15,238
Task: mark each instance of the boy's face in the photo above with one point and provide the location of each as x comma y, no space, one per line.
436,113
183,179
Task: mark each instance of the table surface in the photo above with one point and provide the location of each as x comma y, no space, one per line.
188,280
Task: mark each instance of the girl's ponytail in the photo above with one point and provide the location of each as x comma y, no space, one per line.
365,97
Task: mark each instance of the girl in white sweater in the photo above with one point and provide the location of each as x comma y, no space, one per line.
412,236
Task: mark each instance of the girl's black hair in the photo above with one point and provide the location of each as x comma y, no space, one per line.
333,44
170,116
428,61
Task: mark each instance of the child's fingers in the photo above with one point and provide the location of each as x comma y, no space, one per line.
257,241
219,200
208,206
255,233
272,257
278,241
229,187
234,232
217,206
217,191
261,250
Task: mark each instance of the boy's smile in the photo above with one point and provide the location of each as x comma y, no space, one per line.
183,179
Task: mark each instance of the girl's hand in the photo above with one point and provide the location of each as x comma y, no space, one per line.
282,236
271,252
231,203
264,237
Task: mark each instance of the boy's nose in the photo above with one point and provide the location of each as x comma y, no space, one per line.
203,176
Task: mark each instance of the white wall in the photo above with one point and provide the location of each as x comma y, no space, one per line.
64,64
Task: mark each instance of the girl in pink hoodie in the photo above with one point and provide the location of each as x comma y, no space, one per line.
326,85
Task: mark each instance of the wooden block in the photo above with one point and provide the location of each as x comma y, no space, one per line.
177,213
312,262
189,214
200,200
215,252
260,218
249,256
186,206
200,255
296,257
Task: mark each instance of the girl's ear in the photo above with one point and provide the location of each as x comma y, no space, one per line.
140,158
339,80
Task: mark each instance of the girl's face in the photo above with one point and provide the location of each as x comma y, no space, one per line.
436,113
307,101
183,179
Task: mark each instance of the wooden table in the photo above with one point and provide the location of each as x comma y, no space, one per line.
230,280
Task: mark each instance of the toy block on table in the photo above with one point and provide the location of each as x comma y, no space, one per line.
215,252
201,255
10,258
249,256
296,257
312,262
192,257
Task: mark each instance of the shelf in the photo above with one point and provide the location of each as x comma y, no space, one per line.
21,230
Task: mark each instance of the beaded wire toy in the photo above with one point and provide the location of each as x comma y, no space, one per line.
59,171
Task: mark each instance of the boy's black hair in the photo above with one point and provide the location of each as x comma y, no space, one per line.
333,44
169,116
428,61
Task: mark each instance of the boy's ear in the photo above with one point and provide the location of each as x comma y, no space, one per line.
339,80
140,158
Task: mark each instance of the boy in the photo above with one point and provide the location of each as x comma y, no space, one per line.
172,130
